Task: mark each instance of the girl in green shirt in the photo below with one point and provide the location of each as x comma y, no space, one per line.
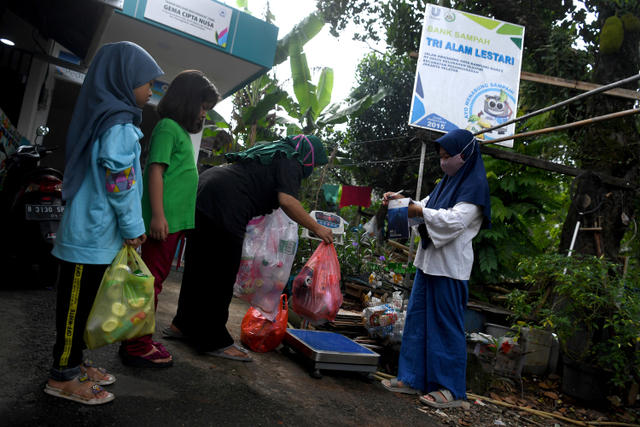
170,184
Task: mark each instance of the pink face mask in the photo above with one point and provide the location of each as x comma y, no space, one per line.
452,165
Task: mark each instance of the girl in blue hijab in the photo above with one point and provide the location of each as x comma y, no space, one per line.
433,356
103,189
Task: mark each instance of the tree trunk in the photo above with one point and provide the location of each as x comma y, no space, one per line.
609,148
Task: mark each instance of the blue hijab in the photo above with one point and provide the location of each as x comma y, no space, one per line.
106,99
469,184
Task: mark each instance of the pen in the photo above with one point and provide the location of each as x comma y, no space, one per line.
396,193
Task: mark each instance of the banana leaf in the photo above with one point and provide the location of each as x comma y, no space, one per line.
304,90
308,27
324,90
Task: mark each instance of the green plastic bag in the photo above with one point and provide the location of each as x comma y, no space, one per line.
124,307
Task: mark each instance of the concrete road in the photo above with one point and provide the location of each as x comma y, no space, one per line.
273,390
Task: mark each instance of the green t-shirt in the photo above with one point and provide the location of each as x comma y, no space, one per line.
171,144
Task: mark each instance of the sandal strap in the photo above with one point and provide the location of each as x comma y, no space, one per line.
242,349
88,363
447,395
96,388
393,382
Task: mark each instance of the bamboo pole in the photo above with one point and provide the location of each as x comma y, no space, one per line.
576,84
563,127
563,103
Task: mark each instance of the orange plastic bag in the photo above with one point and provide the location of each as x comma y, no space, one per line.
261,334
316,292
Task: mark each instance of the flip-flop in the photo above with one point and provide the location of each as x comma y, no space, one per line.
394,385
220,353
242,349
106,378
447,402
177,335
67,392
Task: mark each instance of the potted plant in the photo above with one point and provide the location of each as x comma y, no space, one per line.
535,338
595,316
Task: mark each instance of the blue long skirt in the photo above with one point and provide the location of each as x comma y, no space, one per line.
433,354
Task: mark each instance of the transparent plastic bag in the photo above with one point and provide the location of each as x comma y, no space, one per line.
124,307
268,252
316,292
259,333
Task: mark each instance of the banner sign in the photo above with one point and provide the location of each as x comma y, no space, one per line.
468,73
204,19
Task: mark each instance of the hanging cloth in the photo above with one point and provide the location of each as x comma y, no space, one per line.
331,193
358,196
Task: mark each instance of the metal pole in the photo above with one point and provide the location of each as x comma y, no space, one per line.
411,233
563,103
563,127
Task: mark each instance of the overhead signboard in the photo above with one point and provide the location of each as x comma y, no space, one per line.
205,19
468,73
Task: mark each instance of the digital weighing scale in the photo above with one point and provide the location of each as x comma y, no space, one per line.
331,351
328,219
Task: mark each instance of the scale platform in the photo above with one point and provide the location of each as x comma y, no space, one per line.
332,351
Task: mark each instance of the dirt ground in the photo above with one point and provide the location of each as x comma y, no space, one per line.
273,390
276,389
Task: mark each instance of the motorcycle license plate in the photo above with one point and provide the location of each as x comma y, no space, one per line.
44,212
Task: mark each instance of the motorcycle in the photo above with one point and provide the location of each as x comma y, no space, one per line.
31,207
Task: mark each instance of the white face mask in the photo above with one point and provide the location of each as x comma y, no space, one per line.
452,165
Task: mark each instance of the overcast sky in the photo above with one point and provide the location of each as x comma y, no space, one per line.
324,50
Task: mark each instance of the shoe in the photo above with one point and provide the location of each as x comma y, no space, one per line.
220,353
105,379
88,390
443,399
144,362
394,386
148,361
168,333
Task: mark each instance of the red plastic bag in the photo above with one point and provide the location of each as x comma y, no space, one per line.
261,334
316,292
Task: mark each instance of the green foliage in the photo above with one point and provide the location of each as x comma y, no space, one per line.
528,206
593,310
378,144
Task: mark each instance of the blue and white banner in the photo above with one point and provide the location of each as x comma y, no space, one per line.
468,73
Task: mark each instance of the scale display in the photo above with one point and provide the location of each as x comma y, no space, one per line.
329,220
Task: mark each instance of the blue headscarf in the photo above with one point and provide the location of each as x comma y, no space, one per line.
469,184
106,99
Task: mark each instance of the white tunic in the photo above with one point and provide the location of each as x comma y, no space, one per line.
450,253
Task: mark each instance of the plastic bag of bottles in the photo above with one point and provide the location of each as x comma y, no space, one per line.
316,292
384,320
124,307
268,252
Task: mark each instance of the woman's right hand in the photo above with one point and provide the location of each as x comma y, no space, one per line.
390,196
324,233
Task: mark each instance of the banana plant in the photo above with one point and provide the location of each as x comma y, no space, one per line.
312,110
